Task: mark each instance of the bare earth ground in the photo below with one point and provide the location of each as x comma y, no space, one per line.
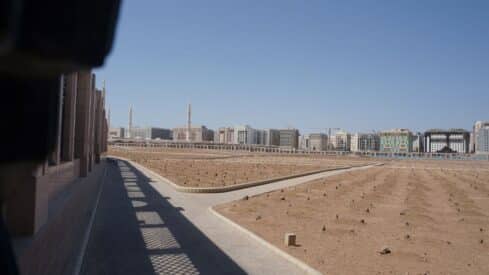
199,168
433,218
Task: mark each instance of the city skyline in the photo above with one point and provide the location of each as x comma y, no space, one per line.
302,130
362,67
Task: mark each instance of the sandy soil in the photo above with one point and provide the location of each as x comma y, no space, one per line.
212,169
434,220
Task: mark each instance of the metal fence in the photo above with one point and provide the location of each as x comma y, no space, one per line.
282,150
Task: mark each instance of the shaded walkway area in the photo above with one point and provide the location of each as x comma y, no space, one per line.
138,231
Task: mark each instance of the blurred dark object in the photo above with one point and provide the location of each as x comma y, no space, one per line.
29,112
47,38
7,260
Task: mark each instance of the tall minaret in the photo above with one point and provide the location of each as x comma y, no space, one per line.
130,123
189,122
103,89
104,94
108,119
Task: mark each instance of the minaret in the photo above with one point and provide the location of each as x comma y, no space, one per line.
189,121
103,89
108,118
104,94
130,123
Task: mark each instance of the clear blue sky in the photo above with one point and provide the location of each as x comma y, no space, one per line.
358,65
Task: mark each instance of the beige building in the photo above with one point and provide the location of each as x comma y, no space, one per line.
341,141
361,142
225,135
289,138
197,134
318,142
117,133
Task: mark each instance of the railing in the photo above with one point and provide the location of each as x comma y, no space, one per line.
286,150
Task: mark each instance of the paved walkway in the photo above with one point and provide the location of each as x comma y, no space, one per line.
143,226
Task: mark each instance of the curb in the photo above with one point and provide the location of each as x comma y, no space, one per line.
307,269
229,187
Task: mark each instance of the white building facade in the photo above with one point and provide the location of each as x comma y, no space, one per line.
225,135
361,142
447,141
481,137
244,134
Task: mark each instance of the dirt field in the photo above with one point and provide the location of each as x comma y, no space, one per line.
200,168
433,219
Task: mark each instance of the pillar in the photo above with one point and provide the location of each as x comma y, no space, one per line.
91,142
82,124
98,126
55,156
69,115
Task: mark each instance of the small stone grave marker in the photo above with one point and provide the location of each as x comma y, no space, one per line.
290,239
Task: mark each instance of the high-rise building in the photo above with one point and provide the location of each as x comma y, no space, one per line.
197,133
289,138
225,135
341,141
418,142
260,137
481,137
396,141
304,142
149,133
117,133
318,142
244,134
361,142
447,141
272,137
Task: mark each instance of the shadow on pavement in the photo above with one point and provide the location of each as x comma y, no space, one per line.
137,231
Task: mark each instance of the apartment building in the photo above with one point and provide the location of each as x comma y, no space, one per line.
198,133
289,138
244,134
318,142
225,135
481,137
362,142
150,133
396,141
341,141
447,141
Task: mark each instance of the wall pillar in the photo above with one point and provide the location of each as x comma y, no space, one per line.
98,126
91,133
82,124
55,157
69,115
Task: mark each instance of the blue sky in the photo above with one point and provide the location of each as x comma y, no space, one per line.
358,65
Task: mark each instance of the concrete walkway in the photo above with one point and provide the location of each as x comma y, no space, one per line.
144,226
